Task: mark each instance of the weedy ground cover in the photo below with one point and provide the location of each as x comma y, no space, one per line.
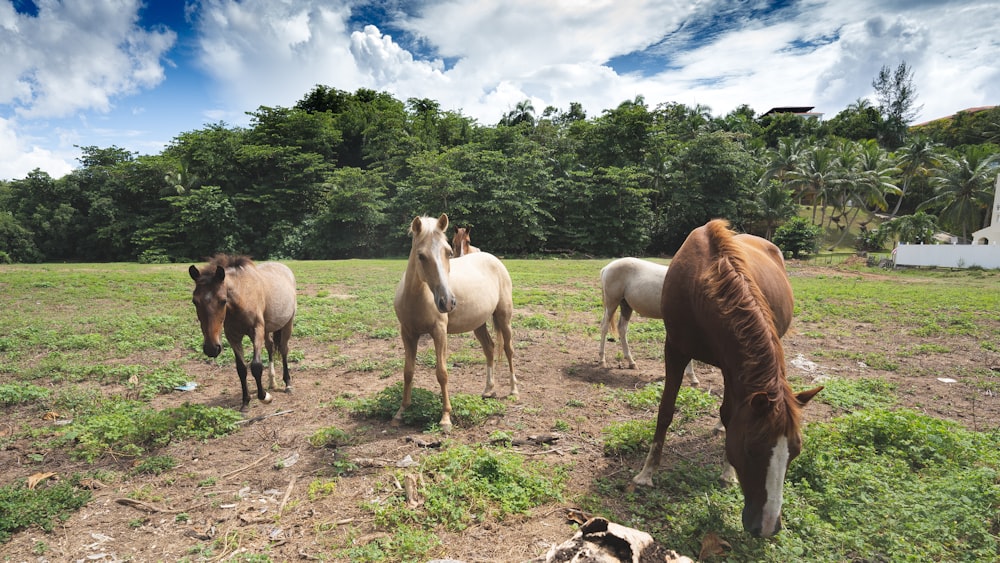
101,346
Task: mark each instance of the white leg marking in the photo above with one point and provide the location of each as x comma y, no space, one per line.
773,486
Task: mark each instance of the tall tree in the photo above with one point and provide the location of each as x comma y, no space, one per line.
897,100
914,159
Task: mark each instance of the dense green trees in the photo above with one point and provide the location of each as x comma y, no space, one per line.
341,175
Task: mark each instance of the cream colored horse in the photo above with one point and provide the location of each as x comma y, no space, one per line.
439,296
633,285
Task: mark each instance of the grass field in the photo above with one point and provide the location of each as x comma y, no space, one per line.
890,472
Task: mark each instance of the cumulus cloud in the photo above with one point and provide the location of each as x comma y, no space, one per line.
480,57
77,56
18,157
260,52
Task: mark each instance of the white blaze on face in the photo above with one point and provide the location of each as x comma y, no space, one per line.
773,486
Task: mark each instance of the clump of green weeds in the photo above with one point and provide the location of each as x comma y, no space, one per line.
131,428
49,501
857,394
425,407
633,436
18,393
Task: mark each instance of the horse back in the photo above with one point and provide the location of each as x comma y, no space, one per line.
278,283
482,285
638,282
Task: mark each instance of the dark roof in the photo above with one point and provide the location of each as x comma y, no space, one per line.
789,109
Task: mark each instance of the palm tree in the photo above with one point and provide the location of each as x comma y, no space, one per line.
918,228
915,159
816,177
775,205
962,190
523,112
870,179
783,158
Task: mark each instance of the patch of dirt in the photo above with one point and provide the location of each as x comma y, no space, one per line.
234,488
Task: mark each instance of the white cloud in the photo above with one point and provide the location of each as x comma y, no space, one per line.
261,52
18,157
77,56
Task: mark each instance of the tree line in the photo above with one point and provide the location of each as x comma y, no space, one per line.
341,174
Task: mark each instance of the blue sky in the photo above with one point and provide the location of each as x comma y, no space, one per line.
136,75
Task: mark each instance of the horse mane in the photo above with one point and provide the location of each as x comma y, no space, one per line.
224,261
730,283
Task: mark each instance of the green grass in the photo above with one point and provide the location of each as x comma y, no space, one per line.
98,343
875,485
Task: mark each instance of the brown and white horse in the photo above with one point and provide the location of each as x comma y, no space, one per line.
440,295
633,285
245,299
461,244
726,301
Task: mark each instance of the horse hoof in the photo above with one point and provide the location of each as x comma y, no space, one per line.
395,422
446,428
288,389
490,395
267,398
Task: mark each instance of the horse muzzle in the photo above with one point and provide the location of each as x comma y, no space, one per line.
755,526
446,303
211,350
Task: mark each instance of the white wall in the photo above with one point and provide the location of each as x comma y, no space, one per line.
948,255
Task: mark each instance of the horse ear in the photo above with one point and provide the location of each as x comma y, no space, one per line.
415,226
760,402
443,222
193,270
220,274
804,397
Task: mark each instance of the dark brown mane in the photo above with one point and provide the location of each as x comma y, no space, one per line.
224,261
731,284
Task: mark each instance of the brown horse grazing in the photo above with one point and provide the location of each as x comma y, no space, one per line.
246,299
726,301
632,285
441,296
461,244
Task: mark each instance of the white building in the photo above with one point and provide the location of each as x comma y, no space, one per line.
984,252
991,234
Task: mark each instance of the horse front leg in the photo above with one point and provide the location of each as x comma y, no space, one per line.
257,364
674,368
409,366
236,343
483,336
606,323
440,337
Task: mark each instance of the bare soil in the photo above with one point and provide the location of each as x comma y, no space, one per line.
264,470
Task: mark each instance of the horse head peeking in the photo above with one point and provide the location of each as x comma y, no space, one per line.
726,301
440,296
234,295
461,244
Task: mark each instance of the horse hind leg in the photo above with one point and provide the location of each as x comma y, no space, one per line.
505,337
483,336
623,320
269,345
281,338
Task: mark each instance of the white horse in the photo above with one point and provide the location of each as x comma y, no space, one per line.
440,295
633,285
